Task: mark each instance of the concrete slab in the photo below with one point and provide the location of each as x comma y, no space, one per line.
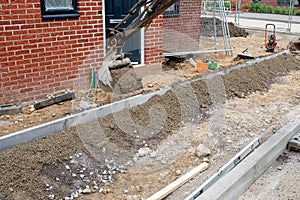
10,109
232,185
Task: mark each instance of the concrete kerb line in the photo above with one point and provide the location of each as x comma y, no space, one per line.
237,181
49,128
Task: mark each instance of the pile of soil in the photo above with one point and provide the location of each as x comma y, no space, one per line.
125,80
207,28
28,170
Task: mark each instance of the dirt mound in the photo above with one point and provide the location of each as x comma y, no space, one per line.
26,171
294,46
125,80
207,28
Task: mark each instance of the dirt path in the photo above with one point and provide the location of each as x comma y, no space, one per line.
134,153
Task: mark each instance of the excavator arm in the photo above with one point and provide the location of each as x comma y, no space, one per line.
117,36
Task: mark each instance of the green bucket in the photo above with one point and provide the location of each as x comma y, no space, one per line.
213,65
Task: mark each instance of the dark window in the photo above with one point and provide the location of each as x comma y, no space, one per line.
58,9
172,10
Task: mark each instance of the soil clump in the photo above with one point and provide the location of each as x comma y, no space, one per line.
207,28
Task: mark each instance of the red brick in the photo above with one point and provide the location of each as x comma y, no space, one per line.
29,36
12,27
19,12
17,77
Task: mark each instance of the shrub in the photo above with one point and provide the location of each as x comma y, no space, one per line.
297,12
277,10
284,11
269,9
246,6
256,7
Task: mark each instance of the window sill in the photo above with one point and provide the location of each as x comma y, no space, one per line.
171,15
60,16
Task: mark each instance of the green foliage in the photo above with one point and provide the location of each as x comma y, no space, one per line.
269,9
284,11
258,7
277,10
297,12
246,6
210,4
262,8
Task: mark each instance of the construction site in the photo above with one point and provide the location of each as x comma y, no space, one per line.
219,121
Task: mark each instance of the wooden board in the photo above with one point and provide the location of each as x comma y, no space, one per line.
179,182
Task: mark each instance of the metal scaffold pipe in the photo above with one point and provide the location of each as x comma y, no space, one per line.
291,12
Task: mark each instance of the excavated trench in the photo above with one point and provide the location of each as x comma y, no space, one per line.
64,164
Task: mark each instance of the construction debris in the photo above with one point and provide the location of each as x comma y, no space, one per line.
294,143
10,109
54,98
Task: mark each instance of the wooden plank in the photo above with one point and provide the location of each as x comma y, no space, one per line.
179,182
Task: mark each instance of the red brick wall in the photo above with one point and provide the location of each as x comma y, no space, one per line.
39,57
270,2
42,56
153,42
182,33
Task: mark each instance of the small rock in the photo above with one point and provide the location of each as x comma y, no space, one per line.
57,179
135,159
75,195
53,115
205,160
81,175
87,191
279,168
126,191
11,189
67,167
153,154
96,187
143,151
21,120
132,197
74,175
178,172
101,190
150,85
202,151
31,109
51,196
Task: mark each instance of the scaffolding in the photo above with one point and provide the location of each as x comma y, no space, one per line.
290,19
225,29
217,7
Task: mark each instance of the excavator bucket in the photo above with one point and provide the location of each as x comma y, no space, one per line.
114,59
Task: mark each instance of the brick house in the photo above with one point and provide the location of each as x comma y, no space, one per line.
46,50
